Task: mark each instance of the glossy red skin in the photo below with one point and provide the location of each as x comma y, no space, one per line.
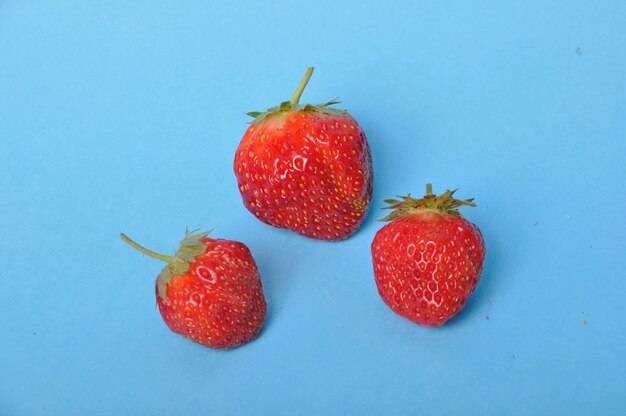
307,172
427,265
219,302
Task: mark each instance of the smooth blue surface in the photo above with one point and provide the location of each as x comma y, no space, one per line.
124,116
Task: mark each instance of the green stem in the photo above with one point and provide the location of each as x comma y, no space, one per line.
429,189
163,257
295,98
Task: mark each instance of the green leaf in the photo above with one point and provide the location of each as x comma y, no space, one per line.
444,203
188,249
285,106
331,102
199,235
186,256
162,281
391,201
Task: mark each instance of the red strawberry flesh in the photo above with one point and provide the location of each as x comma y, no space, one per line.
306,168
210,291
427,261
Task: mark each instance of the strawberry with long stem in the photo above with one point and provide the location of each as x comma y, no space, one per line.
209,291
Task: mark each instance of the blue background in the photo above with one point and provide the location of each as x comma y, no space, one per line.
124,116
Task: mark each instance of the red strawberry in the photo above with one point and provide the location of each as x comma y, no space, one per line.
307,168
210,291
428,259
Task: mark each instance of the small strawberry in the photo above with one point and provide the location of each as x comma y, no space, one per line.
210,291
307,168
428,259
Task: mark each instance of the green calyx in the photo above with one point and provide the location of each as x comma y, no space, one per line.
293,104
443,204
188,249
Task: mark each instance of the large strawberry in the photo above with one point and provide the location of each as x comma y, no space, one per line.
428,259
210,291
307,168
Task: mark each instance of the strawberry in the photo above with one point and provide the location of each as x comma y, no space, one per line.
307,168
210,291
428,259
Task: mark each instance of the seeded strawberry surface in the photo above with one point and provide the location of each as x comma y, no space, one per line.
219,302
428,260
307,168
210,291
307,172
